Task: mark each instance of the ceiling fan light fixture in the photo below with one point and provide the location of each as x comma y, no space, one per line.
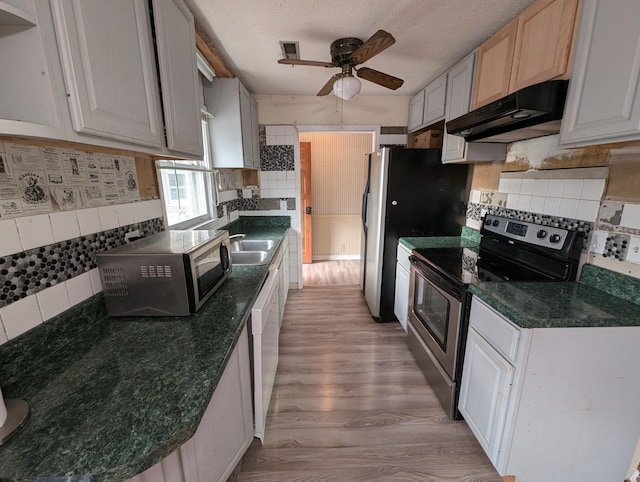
346,87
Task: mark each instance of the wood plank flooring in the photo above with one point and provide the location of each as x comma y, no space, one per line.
350,404
334,272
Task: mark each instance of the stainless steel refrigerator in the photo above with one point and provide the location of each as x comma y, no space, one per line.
409,192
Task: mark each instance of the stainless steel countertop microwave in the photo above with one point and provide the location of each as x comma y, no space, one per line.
165,274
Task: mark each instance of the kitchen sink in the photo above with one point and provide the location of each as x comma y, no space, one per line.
239,245
248,257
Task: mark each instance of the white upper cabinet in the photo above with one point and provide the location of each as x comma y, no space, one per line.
32,100
175,38
427,106
416,108
109,63
459,87
234,126
603,102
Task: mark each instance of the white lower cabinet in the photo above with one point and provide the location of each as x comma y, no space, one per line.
401,299
224,434
552,404
265,327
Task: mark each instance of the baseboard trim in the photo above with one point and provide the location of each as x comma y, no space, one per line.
336,257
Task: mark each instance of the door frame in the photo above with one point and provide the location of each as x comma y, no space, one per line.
321,128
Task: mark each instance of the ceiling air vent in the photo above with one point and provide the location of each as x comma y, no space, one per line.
290,50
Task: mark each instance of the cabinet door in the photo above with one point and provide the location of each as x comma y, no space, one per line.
109,69
603,102
459,86
246,126
255,133
484,392
493,68
435,97
225,430
416,108
543,44
175,39
401,301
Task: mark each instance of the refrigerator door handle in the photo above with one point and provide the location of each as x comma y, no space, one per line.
365,202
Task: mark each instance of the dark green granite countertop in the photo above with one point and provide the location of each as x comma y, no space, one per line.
470,238
557,305
112,397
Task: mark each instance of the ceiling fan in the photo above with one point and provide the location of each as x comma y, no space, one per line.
348,52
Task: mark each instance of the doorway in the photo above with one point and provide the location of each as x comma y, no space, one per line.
338,169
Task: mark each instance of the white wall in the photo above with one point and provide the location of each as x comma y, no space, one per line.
313,110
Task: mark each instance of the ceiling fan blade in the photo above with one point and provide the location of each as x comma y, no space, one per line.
380,78
328,87
378,42
312,63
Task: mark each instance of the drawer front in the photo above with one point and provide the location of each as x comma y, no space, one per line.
499,332
402,256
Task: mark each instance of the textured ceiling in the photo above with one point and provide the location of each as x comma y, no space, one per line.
431,35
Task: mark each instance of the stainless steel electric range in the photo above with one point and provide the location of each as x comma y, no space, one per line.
510,250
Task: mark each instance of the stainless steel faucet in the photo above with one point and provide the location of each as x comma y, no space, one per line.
233,236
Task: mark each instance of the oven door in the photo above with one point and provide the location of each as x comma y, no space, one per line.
435,312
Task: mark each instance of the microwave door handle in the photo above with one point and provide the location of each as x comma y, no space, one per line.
224,256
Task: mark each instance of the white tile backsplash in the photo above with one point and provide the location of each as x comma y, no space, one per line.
540,187
96,284
555,188
504,185
89,221
20,316
540,192
551,206
108,217
79,288
630,216
587,210
526,187
125,214
53,301
592,189
567,208
35,231
572,189
537,204
9,237
3,335
65,225
513,200
524,202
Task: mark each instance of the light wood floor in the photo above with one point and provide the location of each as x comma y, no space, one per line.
350,404
334,272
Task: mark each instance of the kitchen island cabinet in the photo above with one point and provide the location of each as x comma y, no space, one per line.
603,101
549,384
112,398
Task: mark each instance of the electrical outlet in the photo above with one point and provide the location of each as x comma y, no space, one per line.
633,251
599,241
132,234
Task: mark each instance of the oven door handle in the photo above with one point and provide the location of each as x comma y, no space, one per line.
441,285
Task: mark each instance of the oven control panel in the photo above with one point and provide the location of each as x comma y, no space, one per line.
531,233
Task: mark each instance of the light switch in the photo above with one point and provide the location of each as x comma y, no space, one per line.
633,251
599,241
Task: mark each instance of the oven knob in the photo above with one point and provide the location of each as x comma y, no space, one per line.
541,234
487,222
496,222
555,238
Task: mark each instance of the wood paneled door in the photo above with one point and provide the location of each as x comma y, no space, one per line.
305,199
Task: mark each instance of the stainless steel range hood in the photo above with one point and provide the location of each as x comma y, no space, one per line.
534,111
